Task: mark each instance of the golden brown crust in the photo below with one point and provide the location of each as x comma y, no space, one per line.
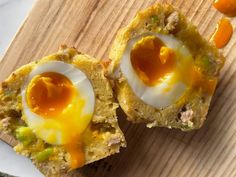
102,138
186,114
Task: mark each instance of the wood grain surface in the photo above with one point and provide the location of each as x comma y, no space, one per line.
90,26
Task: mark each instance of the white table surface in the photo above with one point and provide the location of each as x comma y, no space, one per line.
12,15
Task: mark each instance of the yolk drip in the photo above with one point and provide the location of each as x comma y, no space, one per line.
227,7
75,149
152,60
49,93
74,123
223,33
201,82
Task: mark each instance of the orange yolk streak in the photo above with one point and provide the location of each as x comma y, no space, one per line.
152,60
223,33
227,7
48,95
75,149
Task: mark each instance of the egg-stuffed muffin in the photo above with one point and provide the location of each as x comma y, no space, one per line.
165,72
61,111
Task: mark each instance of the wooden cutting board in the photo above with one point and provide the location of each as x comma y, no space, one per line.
90,26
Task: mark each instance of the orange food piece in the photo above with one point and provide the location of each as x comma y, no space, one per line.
223,33
227,7
49,93
152,60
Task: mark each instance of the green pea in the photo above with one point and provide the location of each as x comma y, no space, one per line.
206,61
44,155
154,19
25,135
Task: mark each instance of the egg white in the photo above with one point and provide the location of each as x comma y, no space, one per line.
79,81
169,89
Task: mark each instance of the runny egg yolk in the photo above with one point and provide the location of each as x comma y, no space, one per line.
152,60
49,93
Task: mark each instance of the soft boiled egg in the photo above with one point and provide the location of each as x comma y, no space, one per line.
58,102
156,67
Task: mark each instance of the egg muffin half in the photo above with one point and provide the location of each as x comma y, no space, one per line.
61,111
165,72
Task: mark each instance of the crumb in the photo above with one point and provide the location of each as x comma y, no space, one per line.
172,21
187,115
